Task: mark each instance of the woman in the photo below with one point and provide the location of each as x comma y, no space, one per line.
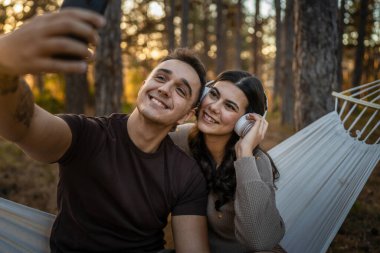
241,210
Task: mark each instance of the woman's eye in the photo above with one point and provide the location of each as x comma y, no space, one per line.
212,94
231,107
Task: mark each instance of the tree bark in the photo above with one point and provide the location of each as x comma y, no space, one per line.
316,59
342,11
170,9
206,42
256,40
287,88
108,65
76,93
238,38
220,61
185,23
356,79
277,64
376,55
39,82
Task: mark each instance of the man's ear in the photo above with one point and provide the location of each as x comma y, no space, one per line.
187,116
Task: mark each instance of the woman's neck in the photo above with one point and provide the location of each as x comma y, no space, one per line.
216,145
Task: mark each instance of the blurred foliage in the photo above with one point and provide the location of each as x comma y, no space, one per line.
14,12
127,108
144,35
50,103
144,42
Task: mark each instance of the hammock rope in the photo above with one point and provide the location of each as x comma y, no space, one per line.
323,169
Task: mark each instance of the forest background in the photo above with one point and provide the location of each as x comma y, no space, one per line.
301,50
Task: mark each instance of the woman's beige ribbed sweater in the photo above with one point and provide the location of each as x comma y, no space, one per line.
251,222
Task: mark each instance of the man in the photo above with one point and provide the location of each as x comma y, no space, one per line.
120,176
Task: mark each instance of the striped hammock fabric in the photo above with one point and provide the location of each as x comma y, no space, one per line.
323,169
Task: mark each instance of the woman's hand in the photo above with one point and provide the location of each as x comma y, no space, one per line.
253,138
32,48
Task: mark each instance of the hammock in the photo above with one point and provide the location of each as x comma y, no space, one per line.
323,169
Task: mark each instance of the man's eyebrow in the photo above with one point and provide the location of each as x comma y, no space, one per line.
167,71
184,81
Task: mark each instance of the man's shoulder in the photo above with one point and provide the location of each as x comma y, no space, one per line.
176,153
180,161
112,116
96,120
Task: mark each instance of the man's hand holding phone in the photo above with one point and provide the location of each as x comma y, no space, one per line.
97,6
33,47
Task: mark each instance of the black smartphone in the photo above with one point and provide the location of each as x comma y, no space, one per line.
98,6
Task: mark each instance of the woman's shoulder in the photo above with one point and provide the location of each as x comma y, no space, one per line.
180,135
181,130
185,127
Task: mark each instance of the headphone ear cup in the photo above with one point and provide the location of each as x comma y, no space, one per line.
205,92
243,125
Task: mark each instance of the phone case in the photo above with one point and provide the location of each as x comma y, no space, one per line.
98,6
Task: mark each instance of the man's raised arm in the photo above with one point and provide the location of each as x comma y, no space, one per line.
33,49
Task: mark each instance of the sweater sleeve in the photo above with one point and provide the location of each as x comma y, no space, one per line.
258,224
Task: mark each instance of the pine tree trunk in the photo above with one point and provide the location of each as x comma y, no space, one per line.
342,11
316,59
76,93
238,38
277,64
376,55
287,87
206,45
170,9
39,82
220,61
256,40
108,66
194,28
356,79
185,23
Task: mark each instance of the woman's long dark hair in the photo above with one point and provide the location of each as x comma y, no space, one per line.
222,181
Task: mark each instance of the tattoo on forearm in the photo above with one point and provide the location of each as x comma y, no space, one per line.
8,84
25,108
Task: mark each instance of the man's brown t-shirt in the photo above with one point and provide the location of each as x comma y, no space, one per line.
112,197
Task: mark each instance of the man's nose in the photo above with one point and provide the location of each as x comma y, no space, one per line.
165,89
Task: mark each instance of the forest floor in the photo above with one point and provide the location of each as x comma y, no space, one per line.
34,184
